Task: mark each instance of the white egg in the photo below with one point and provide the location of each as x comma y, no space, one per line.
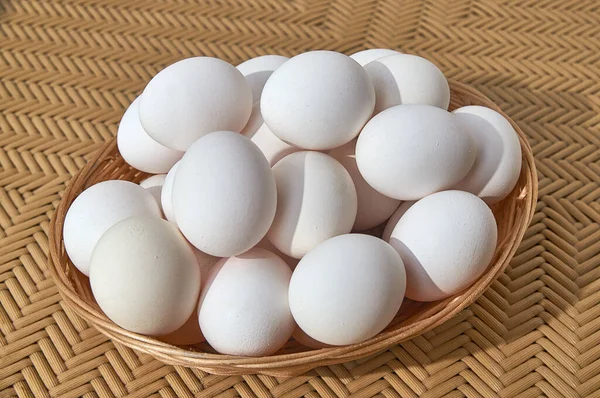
188,334
498,162
144,276
98,208
194,97
446,241
244,307
373,207
410,151
301,337
138,149
347,289
316,200
407,79
166,195
224,195
154,185
393,220
257,71
318,100
267,245
365,56
269,144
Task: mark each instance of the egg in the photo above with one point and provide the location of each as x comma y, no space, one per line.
154,185
407,79
224,195
257,71
498,162
144,276
317,100
166,194
306,340
347,289
188,334
138,149
365,56
194,97
269,144
316,200
267,245
446,240
409,151
244,307
393,220
373,207
98,208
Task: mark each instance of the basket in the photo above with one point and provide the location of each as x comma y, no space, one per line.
513,216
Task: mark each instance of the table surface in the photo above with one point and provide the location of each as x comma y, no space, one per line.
69,68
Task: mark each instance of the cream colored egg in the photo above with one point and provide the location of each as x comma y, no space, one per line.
347,289
365,56
188,334
154,185
409,151
138,149
308,341
244,307
446,241
498,162
318,100
224,194
257,71
393,220
316,200
166,194
144,276
194,97
407,79
373,207
98,208
269,144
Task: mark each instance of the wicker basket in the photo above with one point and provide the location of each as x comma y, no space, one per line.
513,216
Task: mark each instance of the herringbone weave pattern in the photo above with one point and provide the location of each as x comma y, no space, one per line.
68,69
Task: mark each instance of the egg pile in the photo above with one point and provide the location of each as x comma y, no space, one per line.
246,233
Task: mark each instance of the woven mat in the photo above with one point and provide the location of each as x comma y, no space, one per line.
69,68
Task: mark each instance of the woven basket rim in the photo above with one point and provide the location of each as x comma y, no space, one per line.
289,363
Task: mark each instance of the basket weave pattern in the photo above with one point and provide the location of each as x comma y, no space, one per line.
513,216
68,69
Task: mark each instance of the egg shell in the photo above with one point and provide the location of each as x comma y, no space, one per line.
194,97
373,207
188,334
393,220
307,341
316,200
244,307
138,149
446,241
498,162
347,289
144,276
365,56
407,79
318,100
224,195
166,194
409,151
267,245
258,70
269,144
154,185
98,208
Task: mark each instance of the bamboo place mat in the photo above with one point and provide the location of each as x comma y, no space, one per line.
69,68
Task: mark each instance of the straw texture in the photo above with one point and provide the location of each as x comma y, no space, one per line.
69,68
